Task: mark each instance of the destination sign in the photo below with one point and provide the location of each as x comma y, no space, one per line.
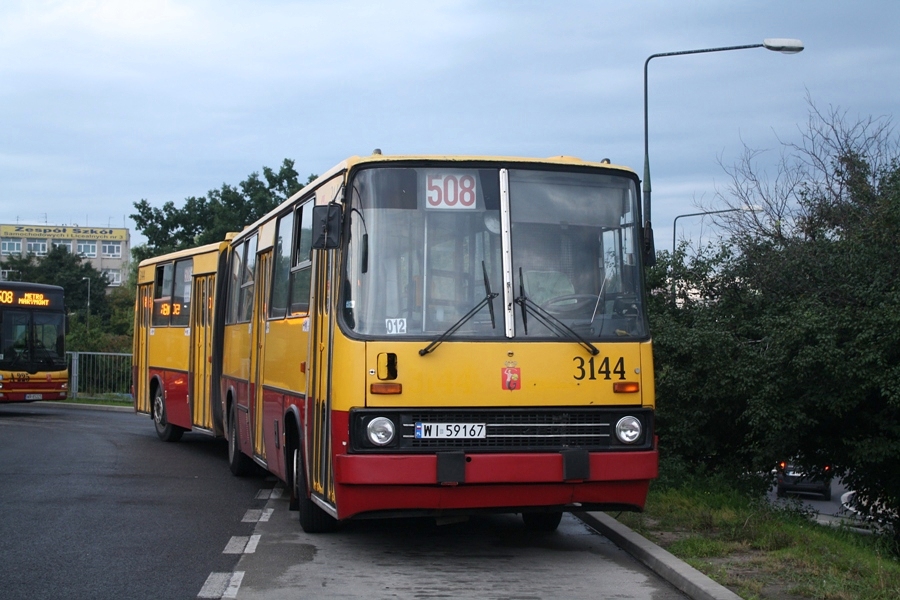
24,298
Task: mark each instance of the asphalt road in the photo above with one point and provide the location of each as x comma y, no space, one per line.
93,505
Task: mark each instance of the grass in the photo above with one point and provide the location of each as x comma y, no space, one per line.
103,399
766,552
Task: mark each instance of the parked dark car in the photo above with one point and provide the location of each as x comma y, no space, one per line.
793,478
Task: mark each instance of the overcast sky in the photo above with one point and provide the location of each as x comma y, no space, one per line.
107,102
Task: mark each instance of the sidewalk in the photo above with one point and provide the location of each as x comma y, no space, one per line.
680,574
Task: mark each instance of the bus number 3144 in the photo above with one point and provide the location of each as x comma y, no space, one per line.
588,369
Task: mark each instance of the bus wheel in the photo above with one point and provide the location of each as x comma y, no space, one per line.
239,463
542,521
165,430
312,518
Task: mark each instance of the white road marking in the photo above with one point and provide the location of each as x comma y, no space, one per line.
255,515
269,494
234,585
252,543
236,544
242,544
222,585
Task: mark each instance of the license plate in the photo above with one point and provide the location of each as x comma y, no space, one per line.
427,431
34,396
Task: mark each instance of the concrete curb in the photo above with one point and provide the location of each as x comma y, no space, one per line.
680,574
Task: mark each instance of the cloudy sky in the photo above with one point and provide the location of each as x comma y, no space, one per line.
107,102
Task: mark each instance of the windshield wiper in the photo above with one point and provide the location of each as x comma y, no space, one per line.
531,307
488,299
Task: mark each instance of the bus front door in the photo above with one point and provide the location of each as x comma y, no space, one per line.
141,370
318,407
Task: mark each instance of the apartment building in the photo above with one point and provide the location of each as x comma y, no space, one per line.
108,249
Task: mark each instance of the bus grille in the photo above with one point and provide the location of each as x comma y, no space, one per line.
511,429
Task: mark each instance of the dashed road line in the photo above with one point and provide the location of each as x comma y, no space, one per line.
269,494
222,585
255,515
241,544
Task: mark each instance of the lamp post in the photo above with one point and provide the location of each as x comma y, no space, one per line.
785,46
697,214
88,279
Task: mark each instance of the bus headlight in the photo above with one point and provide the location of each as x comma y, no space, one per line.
628,430
380,431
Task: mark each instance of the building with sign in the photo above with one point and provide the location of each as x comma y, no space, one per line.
107,249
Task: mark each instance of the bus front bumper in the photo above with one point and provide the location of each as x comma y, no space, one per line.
418,484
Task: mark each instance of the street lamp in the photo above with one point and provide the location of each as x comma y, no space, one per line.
88,279
697,214
783,45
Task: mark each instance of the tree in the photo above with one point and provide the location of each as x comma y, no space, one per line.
108,331
791,332
207,219
61,267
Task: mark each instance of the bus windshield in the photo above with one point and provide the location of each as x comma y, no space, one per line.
32,341
427,246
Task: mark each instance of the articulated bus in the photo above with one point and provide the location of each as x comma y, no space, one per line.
32,342
418,335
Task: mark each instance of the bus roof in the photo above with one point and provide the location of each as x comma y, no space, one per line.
378,158
215,246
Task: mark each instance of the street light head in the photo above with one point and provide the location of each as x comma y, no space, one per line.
783,45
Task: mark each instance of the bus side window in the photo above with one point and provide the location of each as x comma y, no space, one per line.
301,270
281,269
181,296
245,310
162,295
234,286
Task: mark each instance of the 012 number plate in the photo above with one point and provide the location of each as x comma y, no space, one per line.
450,431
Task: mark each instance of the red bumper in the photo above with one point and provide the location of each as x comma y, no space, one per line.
367,483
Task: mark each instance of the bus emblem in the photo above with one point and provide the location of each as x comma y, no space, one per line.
511,378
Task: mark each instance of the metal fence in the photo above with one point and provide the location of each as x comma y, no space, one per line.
100,375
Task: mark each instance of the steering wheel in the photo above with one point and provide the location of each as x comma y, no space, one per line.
570,303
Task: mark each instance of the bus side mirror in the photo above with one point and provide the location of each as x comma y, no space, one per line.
326,226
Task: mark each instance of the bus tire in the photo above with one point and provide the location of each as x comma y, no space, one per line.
239,463
165,430
312,518
542,521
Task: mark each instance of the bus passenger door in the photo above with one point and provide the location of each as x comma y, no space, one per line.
142,369
201,351
318,438
258,365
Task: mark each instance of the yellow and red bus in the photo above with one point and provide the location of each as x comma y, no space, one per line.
32,342
429,335
173,364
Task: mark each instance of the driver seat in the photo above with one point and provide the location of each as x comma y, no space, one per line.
541,286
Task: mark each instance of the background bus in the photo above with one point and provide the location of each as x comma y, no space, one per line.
439,336
32,342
